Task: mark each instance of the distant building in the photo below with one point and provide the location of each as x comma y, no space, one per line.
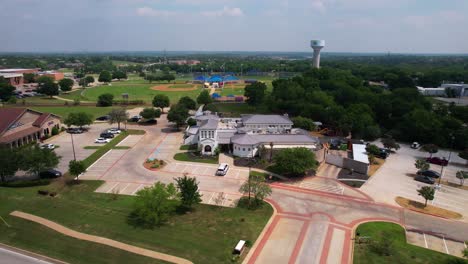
57,76
460,89
184,62
15,79
20,126
34,70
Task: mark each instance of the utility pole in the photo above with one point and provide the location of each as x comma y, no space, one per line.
450,155
73,146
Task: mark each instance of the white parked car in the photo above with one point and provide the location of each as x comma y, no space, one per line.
222,169
102,140
114,131
415,145
47,146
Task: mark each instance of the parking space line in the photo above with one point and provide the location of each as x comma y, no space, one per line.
211,198
237,174
425,241
113,187
137,189
445,244
124,188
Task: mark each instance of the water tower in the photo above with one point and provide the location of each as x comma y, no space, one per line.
317,45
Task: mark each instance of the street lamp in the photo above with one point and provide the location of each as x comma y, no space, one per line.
73,146
450,155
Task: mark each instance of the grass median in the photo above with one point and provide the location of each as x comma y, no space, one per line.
386,243
191,157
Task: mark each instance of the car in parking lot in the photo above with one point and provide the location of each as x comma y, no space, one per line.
429,173
106,135
383,153
47,146
103,118
75,130
102,140
438,161
49,174
114,131
415,145
222,169
135,118
425,179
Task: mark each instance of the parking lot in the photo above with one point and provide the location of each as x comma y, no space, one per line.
437,243
395,178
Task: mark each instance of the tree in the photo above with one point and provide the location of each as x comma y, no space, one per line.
118,116
188,189
154,205
188,102
76,167
119,75
390,143
9,162
462,175
150,113
373,150
427,193
294,161
78,119
191,122
271,151
83,83
304,123
464,155
47,86
161,101
431,148
255,185
421,164
35,159
105,76
255,93
105,100
89,79
29,77
178,114
6,90
204,98
66,84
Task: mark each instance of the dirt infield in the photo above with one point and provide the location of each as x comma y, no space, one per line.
166,88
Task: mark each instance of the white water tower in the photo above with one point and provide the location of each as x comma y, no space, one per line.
317,45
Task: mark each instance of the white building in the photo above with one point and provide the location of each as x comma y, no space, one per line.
460,89
244,136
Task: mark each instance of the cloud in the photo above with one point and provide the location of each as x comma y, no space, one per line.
148,11
319,6
226,11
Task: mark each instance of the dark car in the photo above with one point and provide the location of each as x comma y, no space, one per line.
107,135
383,153
425,179
335,143
103,118
429,173
151,122
74,130
48,174
438,161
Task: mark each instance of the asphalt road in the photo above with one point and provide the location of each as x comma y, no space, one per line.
10,257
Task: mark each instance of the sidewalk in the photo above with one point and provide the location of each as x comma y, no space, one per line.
101,240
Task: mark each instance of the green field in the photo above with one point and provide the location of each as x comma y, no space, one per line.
206,235
400,251
63,111
182,85
188,156
136,92
236,109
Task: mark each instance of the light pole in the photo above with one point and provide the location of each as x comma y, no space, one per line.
73,146
450,155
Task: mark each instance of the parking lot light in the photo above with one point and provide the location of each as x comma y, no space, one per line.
450,155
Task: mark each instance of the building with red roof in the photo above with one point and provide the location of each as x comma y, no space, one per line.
19,126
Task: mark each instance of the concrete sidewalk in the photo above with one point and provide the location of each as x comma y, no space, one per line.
101,240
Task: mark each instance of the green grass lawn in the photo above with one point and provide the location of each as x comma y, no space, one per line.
206,235
401,252
63,111
189,147
234,91
136,92
186,156
181,85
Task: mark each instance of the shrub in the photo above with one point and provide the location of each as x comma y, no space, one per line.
25,183
55,131
105,99
382,246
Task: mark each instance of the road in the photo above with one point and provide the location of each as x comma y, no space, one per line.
11,257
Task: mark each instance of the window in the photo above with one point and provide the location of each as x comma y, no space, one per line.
248,149
243,149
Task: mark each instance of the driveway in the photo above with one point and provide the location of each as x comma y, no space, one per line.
395,178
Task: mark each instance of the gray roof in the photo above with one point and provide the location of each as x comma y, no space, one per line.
266,119
209,124
224,137
249,139
193,130
206,117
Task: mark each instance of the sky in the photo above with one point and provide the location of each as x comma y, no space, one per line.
397,26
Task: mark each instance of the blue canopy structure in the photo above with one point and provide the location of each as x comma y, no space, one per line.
215,95
215,78
200,78
230,78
